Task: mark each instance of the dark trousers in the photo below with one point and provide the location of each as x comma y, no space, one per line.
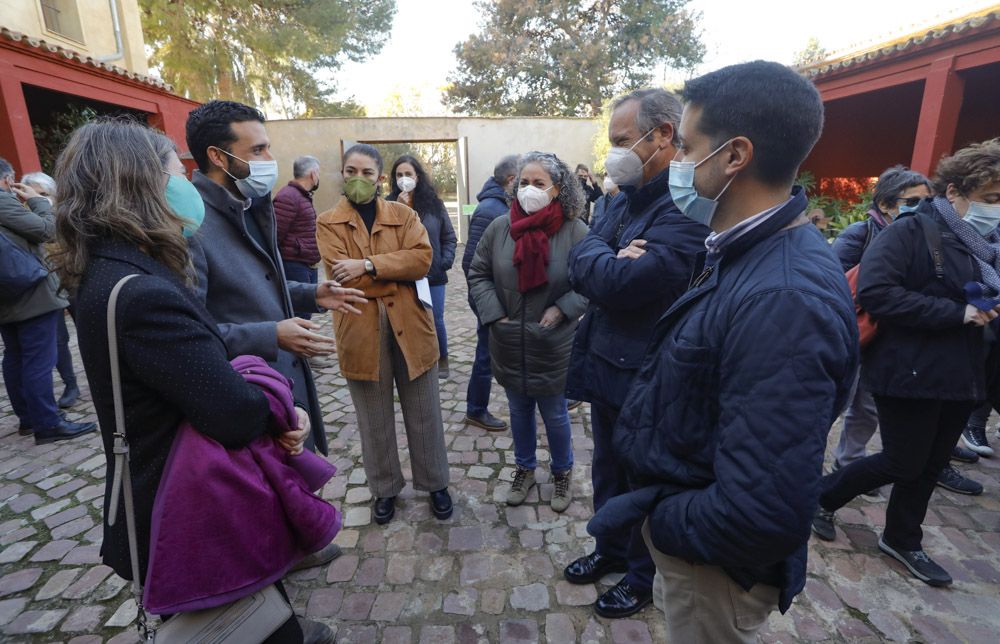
299,272
477,396
610,479
29,356
437,298
64,359
917,438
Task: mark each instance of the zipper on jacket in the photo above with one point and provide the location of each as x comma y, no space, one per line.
705,274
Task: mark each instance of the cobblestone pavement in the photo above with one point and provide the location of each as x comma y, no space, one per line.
490,573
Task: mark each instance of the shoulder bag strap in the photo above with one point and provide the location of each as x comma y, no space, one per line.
121,485
932,235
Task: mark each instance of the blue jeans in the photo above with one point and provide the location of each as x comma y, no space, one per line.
611,479
477,396
299,272
523,428
437,297
64,361
29,356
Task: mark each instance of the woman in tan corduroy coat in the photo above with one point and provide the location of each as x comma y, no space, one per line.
381,248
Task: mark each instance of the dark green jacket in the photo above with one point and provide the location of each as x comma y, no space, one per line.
525,356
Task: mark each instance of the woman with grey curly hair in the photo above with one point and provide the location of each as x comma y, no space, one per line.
519,280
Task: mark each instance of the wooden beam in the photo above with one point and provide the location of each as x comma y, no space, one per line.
939,110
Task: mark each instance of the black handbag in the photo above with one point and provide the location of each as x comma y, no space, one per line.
19,270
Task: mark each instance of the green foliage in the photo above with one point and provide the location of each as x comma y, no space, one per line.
841,212
568,57
50,139
257,51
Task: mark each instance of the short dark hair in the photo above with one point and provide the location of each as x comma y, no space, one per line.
6,169
970,168
775,107
580,166
364,149
505,167
894,181
209,125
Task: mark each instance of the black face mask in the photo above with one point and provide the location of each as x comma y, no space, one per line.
314,188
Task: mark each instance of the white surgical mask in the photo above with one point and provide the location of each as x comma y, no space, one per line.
406,184
624,166
260,181
685,195
533,199
609,185
984,217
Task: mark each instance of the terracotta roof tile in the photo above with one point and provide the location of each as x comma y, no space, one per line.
69,54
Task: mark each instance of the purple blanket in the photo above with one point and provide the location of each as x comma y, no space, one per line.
227,523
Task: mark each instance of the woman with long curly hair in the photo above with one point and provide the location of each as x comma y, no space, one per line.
410,185
519,280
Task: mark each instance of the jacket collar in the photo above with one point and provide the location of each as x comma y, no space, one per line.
305,193
385,214
655,191
215,195
231,209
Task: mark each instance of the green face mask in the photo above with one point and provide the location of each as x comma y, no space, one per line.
360,190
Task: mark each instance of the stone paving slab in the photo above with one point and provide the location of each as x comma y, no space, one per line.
490,573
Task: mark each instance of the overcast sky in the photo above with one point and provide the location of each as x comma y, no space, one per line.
419,54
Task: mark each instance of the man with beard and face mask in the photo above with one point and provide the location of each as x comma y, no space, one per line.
636,260
724,428
295,220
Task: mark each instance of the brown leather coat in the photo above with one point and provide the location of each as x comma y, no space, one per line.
401,253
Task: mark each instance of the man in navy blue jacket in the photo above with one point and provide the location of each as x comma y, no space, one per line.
724,429
632,266
494,201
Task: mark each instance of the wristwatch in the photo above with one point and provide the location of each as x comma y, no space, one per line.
369,266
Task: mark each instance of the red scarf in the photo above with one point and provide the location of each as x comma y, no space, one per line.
531,235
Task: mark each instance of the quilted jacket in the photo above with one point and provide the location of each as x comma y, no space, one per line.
725,425
627,296
295,224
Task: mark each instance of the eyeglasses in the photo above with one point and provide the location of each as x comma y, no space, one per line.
911,202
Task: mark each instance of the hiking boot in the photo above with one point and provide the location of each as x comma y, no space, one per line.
951,479
524,480
919,564
563,493
975,439
443,370
823,525
963,454
486,421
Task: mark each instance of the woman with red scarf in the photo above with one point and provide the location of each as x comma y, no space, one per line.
520,283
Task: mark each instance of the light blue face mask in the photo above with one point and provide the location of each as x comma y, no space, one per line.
185,200
984,217
905,209
685,195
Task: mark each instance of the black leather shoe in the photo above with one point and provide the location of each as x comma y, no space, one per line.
385,509
24,430
441,504
590,568
487,421
68,399
621,600
65,430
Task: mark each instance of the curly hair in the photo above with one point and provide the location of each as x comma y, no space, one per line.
109,185
210,125
570,193
970,168
425,199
